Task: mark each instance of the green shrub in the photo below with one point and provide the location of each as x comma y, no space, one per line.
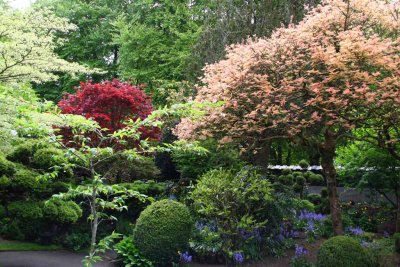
382,250
301,180
2,211
304,164
10,229
306,205
315,178
4,182
124,169
27,215
76,241
234,201
324,193
316,199
7,168
191,164
327,230
148,188
25,180
343,251
60,211
124,226
130,255
162,230
27,211
23,153
47,158
58,187
396,237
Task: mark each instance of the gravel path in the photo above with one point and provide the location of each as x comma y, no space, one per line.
45,259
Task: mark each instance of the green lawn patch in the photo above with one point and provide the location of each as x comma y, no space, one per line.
25,246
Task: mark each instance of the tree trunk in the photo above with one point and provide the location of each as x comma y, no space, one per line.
398,210
94,225
93,210
279,155
261,159
327,159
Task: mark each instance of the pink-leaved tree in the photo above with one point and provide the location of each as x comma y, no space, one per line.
316,82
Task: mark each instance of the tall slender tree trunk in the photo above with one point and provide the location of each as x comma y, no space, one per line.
398,209
94,225
93,210
328,149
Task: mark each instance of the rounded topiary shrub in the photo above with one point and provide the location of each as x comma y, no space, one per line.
162,230
343,251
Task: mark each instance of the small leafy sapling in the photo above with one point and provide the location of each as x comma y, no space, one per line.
98,195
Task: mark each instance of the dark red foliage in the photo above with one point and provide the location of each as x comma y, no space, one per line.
111,104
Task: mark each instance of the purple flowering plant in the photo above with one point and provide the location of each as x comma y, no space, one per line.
299,259
300,251
356,231
311,223
238,257
185,257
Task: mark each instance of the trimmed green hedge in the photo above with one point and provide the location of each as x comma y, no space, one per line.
343,251
162,230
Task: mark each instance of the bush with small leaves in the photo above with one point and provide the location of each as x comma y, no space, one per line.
2,211
26,210
25,180
314,198
130,255
324,193
10,229
304,164
7,168
162,230
47,158
315,178
343,251
24,152
60,211
27,215
5,182
327,230
304,204
235,202
286,179
123,169
396,237
76,241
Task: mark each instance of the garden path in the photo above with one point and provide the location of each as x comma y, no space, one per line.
45,259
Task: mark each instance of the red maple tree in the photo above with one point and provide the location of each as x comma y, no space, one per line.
111,104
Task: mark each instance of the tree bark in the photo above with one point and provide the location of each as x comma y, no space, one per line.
398,210
93,207
261,159
328,149
95,222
